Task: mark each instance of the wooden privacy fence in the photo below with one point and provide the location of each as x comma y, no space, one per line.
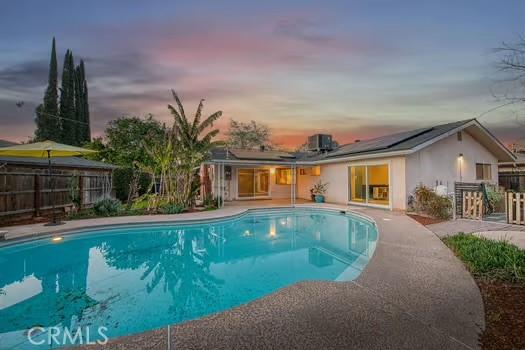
472,205
24,192
515,206
459,189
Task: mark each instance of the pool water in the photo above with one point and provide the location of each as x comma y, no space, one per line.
134,279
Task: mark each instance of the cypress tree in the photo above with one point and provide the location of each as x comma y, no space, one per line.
79,109
81,105
85,105
48,124
67,101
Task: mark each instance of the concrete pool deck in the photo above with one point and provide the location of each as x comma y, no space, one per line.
414,293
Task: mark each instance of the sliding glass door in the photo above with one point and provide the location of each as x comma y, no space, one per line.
253,183
358,184
369,184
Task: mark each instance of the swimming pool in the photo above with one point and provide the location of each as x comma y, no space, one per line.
137,278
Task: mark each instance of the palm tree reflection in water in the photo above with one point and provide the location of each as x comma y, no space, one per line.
178,261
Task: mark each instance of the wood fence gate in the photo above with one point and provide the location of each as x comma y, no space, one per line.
515,207
472,205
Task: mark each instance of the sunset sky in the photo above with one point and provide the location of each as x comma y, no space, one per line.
356,69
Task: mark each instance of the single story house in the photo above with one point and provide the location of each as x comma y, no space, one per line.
380,172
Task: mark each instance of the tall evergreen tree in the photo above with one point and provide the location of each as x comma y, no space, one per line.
79,111
81,105
85,105
67,122
67,101
48,124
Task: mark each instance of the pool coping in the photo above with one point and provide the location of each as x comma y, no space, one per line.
172,220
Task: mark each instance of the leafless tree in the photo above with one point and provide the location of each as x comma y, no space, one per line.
511,66
511,83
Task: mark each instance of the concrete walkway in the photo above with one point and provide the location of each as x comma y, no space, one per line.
515,234
413,294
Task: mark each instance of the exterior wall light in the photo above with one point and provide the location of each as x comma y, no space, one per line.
460,159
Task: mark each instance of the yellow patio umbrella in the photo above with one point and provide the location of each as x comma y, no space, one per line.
45,149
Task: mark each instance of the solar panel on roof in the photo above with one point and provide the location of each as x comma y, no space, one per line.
379,143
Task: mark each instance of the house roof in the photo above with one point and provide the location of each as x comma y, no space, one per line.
400,143
519,161
65,162
5,143
223,154
396,142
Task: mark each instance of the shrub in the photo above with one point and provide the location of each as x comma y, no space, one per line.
143,202
496,198
107,207
122,178
210,202
171,209
489,259
428,202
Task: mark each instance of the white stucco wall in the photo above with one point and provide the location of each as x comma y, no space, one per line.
305,183
336,174
439,163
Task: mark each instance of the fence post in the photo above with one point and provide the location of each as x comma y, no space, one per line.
509,207
464,206
506,206
81,191
37,196
518,208
480,205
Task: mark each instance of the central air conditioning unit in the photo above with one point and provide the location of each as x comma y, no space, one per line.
320,143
